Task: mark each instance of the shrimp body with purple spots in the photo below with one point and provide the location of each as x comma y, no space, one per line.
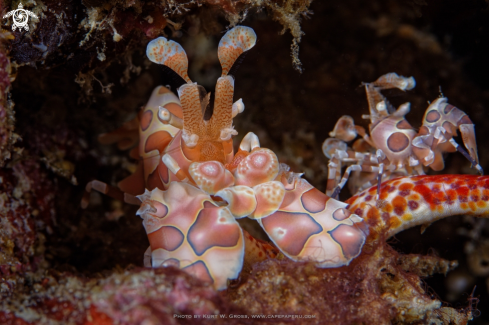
393,148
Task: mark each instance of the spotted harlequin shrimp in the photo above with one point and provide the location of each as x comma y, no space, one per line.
181,161
191,186
393,147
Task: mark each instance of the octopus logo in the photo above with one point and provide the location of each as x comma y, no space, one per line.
20,17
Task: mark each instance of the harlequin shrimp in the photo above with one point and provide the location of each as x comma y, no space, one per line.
192,187
393,146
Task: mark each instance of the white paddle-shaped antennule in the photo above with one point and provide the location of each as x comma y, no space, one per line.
169,53
236,41
232,45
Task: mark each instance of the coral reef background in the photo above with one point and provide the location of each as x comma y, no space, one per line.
81,70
